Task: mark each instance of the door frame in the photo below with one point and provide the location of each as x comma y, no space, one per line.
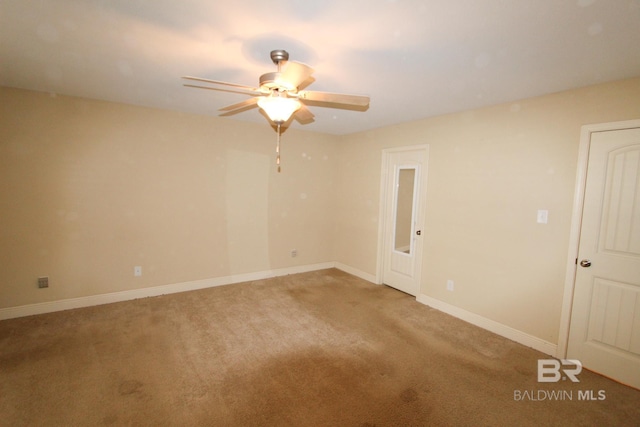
383,220
576,225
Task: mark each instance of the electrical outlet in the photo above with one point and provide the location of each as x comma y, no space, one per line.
137,271
450,285
294,253
43,282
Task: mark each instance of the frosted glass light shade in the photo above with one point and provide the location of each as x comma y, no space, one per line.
278,108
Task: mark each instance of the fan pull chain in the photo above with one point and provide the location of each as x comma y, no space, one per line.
278,149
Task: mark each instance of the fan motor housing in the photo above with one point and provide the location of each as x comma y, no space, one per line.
274,81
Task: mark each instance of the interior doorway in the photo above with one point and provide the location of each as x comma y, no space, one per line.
601,312
402,208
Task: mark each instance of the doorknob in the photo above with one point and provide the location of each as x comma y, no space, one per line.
585,263
419,232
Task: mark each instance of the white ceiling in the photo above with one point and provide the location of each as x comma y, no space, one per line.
414,58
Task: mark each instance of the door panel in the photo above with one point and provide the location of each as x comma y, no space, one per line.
621,220
614,316
605,323
403,216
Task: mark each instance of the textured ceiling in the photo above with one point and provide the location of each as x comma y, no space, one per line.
415,59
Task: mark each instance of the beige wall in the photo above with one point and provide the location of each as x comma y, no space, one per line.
90,189
490,170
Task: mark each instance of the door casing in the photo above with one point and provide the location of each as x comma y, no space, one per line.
576,224
384,198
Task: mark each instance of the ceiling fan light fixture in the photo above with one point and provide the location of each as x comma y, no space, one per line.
278,108
278,94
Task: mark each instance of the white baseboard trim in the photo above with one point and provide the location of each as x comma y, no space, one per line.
490,325
88,301
92,300
355,272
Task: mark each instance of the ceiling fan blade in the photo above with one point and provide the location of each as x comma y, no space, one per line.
218,82
245,103
296,72
306,83
240,105
304,115
334,98
252,92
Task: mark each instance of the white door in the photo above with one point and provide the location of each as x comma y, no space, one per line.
605,319
404,184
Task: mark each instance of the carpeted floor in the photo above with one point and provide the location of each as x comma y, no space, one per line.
314,349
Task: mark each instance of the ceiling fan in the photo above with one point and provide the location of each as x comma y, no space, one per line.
279,94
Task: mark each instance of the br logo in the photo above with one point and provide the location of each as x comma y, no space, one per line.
549,370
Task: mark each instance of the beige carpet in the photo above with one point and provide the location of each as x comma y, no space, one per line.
315,349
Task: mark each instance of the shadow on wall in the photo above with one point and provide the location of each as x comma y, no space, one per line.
247,210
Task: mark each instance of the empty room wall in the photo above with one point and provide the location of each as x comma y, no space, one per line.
90,189
490,170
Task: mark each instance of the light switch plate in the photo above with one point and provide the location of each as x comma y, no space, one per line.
543,216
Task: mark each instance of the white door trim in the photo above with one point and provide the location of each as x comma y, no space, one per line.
576,224
383,197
